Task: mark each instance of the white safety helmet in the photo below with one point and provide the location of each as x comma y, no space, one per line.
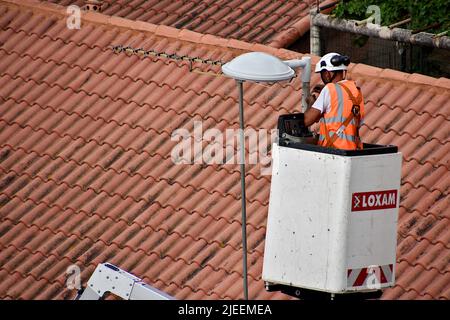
332,62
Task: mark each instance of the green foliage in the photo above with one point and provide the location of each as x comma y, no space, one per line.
422,13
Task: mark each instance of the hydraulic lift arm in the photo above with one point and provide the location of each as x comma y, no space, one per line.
109,278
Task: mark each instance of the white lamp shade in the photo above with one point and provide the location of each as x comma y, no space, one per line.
258,66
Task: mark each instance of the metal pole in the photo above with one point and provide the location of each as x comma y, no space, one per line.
314,35
305,96
244,203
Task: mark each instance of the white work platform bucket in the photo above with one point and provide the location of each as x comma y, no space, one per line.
332,221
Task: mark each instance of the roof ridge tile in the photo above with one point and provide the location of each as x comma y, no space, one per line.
364,69
367,71
443,82
192,36
298,29
418,78
213,40
239,44
162,30
394,74
96,16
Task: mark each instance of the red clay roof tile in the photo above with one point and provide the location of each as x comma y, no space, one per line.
275,23
86,174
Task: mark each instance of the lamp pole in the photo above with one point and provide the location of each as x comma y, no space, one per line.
257,67
243,198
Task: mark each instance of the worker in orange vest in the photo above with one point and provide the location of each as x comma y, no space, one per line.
339,106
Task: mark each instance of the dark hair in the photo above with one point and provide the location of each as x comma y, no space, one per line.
335,71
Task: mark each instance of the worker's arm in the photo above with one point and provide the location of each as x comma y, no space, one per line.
317,106
312,115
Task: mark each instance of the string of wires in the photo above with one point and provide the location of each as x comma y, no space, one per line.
191,60
164,55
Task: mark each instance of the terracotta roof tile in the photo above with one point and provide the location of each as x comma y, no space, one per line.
86,174
275,23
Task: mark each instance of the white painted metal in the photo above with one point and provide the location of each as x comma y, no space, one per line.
142,291
313,238
258,66
109,278
304,63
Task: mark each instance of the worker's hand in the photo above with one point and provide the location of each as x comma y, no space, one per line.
311,99
314,94
315,128
317,88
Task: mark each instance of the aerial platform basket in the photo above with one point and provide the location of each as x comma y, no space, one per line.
332,221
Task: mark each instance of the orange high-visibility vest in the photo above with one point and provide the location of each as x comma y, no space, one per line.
339,128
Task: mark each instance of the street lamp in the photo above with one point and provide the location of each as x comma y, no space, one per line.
260,67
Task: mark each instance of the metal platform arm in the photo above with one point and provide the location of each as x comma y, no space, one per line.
109,278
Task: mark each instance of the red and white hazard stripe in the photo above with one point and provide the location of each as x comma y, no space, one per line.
369,276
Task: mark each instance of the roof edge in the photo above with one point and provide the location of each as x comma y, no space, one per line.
366,71
230,44
298,29
157,30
